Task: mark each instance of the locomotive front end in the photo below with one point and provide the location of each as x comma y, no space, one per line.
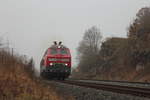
57,62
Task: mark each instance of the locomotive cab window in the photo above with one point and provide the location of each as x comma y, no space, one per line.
53,51
63,51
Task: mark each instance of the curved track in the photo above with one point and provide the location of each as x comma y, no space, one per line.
136,91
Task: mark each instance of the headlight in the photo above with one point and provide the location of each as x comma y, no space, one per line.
52,59
64,59
51,64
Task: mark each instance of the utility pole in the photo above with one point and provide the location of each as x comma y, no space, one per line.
12,51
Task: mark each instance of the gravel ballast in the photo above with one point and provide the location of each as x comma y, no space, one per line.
82,93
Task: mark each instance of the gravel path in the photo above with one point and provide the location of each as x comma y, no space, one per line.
82,93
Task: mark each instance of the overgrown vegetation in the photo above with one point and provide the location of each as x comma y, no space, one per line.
17,80
118,58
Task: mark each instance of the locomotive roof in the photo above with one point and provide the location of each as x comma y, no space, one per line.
57,46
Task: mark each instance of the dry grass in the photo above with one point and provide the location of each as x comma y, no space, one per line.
16,82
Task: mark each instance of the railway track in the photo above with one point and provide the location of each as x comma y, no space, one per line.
136,91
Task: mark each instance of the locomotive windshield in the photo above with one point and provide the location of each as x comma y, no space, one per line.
54,51
63,51
58,51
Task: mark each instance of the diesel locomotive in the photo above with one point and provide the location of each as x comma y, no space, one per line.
56,62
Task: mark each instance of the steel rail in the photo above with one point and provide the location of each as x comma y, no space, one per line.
146,83
136,91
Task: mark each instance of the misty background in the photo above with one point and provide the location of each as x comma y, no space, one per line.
31,26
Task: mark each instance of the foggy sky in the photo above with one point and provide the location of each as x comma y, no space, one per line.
32,25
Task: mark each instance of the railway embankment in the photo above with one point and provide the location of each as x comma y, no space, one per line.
17,81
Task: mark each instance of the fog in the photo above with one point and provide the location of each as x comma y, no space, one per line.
32,25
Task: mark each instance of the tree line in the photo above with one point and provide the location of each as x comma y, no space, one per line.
96,56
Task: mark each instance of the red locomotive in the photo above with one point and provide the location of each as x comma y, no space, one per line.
56,62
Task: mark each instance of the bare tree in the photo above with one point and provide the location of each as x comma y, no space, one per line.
89,48
91,41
